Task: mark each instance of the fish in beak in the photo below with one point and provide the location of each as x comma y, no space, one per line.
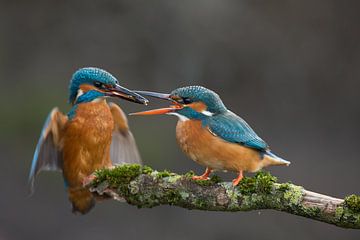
173,108
124,93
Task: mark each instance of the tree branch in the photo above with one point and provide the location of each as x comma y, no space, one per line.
144,187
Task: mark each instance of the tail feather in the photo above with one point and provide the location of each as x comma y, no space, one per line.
82,200
275,160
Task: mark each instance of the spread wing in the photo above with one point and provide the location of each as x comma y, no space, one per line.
47,155
123,146
233,128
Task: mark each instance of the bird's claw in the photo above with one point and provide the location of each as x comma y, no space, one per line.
205,176
237,180
200,178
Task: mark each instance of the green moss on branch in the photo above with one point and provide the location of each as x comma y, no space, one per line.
144,187
353,202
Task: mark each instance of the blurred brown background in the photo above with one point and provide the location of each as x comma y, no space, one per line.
290,68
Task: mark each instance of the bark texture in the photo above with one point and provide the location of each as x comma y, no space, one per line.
144,187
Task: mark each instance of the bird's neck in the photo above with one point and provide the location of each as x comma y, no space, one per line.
98,101
88,96
189,113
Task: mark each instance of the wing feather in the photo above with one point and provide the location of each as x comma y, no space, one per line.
47,155
233,128
123,146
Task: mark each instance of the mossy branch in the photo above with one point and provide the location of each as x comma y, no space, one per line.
144,187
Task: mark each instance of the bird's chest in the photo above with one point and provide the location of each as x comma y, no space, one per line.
92,125
86,141
186,135
212,151
196,141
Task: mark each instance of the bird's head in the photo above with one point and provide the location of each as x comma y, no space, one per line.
88,84
191,102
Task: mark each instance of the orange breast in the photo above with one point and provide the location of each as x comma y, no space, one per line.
86,141
211,151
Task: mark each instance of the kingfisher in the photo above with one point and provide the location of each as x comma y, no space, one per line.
94,134
213,136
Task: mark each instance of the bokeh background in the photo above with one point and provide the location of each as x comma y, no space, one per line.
290,68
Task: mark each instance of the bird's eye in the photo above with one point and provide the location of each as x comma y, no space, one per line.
181,100
98,84
186,100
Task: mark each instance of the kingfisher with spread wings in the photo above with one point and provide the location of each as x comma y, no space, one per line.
93,135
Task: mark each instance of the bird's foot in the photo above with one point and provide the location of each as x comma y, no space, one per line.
87,180
202,177
237,180
205,176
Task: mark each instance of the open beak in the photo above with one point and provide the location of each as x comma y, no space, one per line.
124,93
173,108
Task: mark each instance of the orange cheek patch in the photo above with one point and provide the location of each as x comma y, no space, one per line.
198,106
87,87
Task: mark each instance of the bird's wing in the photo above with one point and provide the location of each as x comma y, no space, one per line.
233,128
47,155
123,146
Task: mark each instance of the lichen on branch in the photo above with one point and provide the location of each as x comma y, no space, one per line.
144,187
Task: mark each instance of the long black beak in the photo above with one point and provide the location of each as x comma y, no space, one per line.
124,93
173,108
164,96
168,110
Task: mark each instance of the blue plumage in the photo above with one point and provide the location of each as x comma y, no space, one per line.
201,94
233,128
38,146
89,96
223,122
273,155
213,136
71,114
89,75
98,137
45,157
86,97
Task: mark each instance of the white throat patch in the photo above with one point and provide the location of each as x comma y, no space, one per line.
207,113
181,117
99,99
79,93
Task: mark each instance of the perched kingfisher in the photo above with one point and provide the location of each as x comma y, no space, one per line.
212,135
93,135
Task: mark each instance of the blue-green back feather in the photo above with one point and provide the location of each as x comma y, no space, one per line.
233,128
